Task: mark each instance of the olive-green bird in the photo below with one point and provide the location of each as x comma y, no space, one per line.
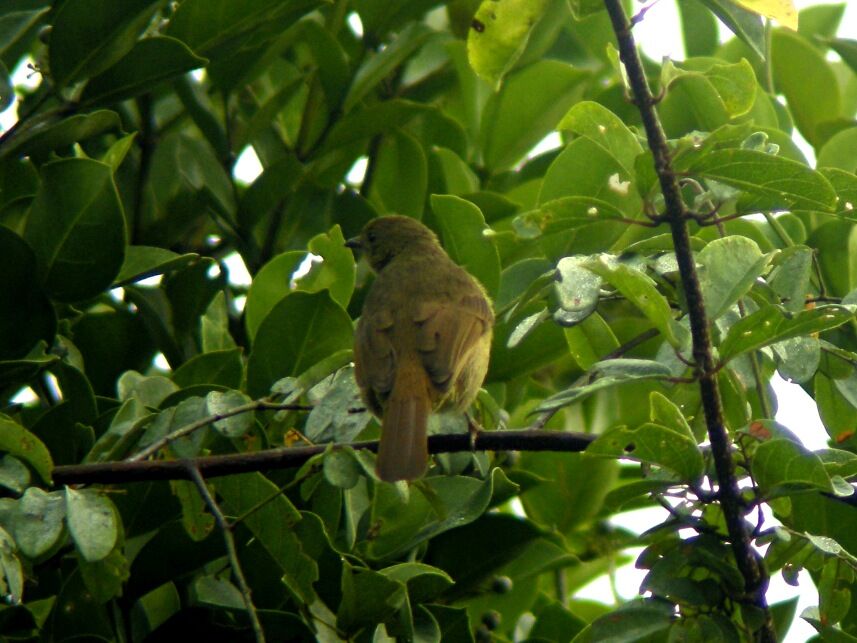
423,341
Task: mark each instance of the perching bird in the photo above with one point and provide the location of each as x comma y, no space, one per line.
423,341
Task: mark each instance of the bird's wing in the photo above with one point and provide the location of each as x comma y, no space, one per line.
374,359
447,331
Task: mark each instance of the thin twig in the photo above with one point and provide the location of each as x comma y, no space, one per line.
256,405
231,550
755,578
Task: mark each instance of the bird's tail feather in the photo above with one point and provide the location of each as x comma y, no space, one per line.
403,452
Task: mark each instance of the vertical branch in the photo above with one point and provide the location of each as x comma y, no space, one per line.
755,578
231,551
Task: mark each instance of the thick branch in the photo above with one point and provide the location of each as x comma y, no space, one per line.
755,579
224,465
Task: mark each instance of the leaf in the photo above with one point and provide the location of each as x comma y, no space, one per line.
609,373
14,475
653,443
771,324
336,272
783,11
17,441
187,412
222,367
142,262
838,151
11,573
564,213
92,523
528,106
744,24
808,82
332,419
772,182
400,176
781,462
379,66
26,314
635,621
602,126
220,402
730,267
88,36
367,598
77,228
798,358
48,135
273,524
578,289
462,231
37,521
498,34
640,290
270,285
300,330
151,61
790,276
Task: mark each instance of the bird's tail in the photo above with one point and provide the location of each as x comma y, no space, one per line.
403,452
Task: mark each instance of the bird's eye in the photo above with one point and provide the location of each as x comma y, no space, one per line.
371,237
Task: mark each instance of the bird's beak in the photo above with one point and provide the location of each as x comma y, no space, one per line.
354,243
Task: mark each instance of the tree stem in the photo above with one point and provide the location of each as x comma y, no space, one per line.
676,215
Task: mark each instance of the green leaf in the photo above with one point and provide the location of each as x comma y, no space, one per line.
48,135
270,285
838,151
563,214
730,267
771,182
92,523
77,228
331,419
528,107
400,175
640,290
609,373
847,50
17,441
602,126
462,231
14,474
88,36
578,289
797,358
379,66
336,272
771,324
189,411
151,390
26,314
219,402
197,520
780,462
299,331
142,262
273,524
790,276
498,34
151,61
368,597
37,521
808,82
744,24
653,443
221,367
210,591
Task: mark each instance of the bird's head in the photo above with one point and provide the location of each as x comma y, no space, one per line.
384,238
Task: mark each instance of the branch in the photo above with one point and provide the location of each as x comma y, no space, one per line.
256,405
231,551
224,465
755,579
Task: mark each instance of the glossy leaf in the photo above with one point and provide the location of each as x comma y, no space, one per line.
76,227
772,324
92,523
17,441
299,331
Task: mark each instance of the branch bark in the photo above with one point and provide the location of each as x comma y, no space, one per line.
224,465
676,215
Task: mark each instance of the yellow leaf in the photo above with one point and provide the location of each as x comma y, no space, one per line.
783,11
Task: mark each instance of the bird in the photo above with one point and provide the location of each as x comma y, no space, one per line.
422,342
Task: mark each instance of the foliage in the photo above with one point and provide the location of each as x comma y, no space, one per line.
124,318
